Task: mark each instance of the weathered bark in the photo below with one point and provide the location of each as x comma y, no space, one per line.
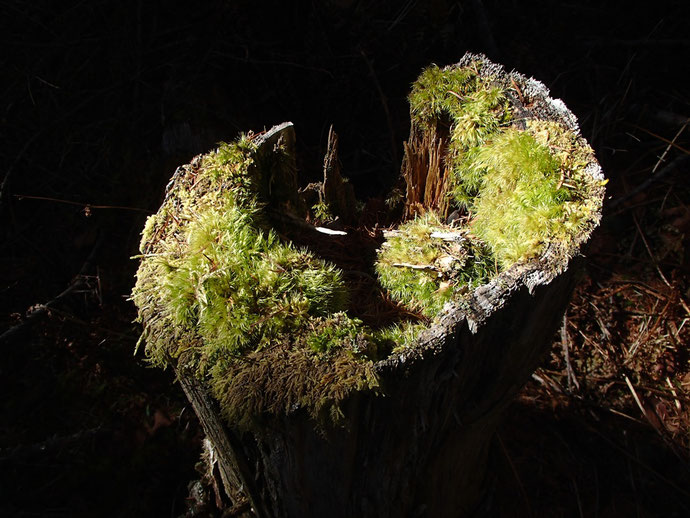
419,448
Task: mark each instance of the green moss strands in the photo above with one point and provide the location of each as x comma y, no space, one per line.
452,110
525,201
213,273
434,93
425,263
520,198
223,298
522,181
241,287
397,337
335,332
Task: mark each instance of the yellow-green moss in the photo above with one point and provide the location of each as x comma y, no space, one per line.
472,105
424,272
525,184
334,332
533,190
520,184
397,337
215,287
224,297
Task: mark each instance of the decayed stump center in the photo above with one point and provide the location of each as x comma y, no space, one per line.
343,371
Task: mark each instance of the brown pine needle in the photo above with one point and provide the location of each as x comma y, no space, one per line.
663,139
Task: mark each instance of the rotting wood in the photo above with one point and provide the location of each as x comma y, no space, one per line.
425,173
335,196
419,445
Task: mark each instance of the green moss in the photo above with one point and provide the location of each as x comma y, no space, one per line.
433,95
397,337
525,201
519,194
424,272
337,331
224,297
215,287
524,184
242,288
471,104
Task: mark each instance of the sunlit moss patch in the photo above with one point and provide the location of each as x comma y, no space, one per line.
216,286
398,337
224,295
531,193
425,264
520,184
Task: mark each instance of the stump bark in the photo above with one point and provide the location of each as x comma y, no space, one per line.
419,446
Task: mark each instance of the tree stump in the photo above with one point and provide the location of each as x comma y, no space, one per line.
315,406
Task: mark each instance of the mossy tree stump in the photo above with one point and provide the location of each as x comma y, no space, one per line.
340,371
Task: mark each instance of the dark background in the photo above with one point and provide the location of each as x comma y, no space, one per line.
101,100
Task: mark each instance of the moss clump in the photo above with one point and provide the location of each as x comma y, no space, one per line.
473,105
336,331
225,297
425,264
340,332
459,95
215,287
286,377
531,194
523,181
519,185
397,337
241,287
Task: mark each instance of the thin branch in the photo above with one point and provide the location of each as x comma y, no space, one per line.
635,396
87,206
671,144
